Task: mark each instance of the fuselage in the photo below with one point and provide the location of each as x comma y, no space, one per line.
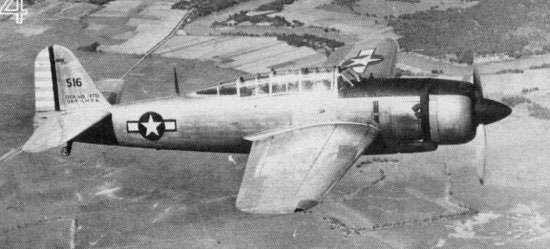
413,115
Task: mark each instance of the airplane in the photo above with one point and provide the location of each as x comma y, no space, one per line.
303,129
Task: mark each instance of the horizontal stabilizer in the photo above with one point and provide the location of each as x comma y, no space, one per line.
59,129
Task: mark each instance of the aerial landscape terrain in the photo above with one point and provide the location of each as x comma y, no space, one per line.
117,197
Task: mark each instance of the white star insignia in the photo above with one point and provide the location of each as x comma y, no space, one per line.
151,126
361,61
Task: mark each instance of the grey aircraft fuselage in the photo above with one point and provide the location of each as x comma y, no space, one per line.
413,115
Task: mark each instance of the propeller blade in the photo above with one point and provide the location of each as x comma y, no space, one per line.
481,153
177,85
477,84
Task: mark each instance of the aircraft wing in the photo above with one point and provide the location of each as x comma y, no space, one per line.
363,62
59,129
292,170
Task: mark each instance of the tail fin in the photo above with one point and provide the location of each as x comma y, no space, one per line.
383,60
62,84
378,62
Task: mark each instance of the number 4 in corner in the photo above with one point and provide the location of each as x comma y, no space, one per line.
19,11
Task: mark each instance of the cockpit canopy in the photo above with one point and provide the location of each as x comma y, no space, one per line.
306,80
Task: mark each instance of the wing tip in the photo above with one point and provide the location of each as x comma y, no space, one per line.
27,148
262,210
304,205
31,146
273,208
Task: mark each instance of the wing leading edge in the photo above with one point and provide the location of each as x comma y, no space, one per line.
293,170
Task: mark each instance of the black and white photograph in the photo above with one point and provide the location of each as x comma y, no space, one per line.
377,124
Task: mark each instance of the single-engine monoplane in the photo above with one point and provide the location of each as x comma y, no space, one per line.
303,129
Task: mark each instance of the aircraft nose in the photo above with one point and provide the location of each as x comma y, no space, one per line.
489,111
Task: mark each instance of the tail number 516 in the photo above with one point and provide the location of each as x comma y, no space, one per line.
74,82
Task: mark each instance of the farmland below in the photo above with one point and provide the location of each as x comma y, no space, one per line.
140,198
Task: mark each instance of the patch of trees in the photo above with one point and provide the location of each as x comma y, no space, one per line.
535,110
405,1
490,27
276,5
505,71
346,3
296,23
99,2
539,111
308,40
240,33
529,90
513,101
29,2
544,65
205,7
89,48
242,16
326,29
402,72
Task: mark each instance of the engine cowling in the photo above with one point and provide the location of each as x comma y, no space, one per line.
417,115
451,119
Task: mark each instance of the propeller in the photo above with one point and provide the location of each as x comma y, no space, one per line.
477,85
176,84
481,142
486,111
481,153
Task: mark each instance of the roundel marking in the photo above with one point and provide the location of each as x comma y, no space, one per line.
151,126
